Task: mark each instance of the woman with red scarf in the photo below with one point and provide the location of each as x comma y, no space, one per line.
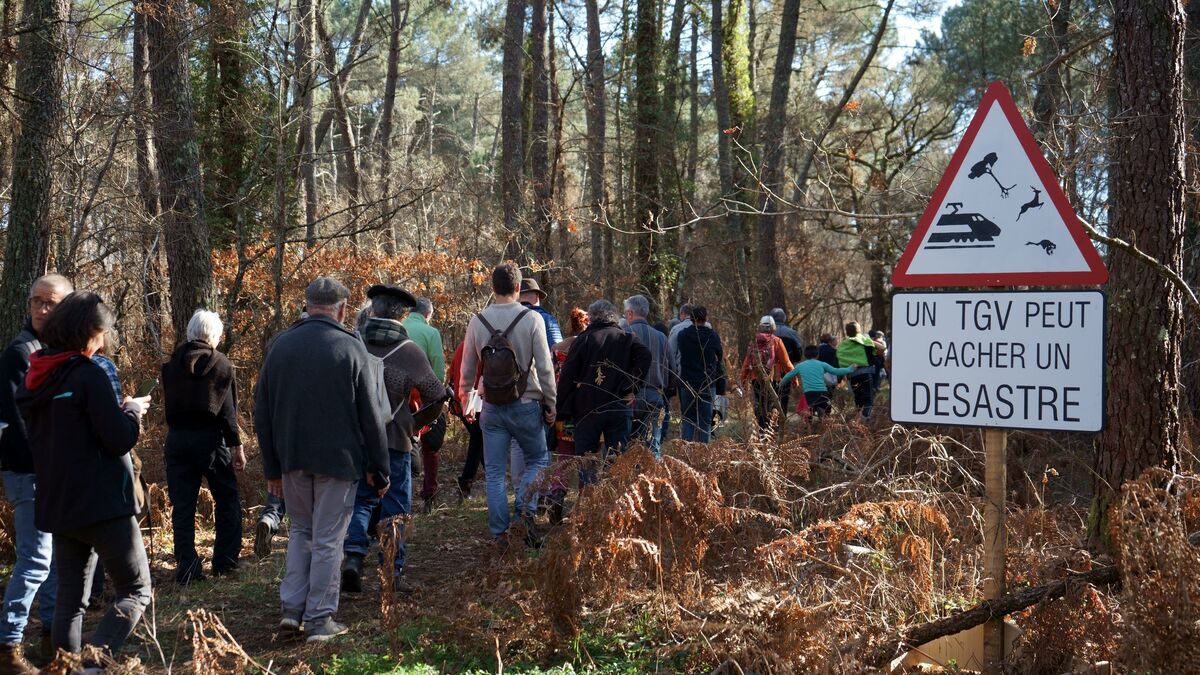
81,437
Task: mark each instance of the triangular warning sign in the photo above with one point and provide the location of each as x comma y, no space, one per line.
998,216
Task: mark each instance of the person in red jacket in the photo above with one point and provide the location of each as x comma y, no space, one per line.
765,364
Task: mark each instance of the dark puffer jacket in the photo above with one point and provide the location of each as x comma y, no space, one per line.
199,391
80,440
604,365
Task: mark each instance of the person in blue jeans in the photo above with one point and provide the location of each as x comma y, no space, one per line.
508,341
406,367
33,573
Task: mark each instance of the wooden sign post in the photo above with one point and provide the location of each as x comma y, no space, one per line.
995,541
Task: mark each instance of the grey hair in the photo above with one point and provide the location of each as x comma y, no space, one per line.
205,326
55,280
602,310
424,307
639,305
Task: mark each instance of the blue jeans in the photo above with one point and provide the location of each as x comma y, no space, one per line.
613,425
33,574
501,425
696,409
274,511
396,502
647,427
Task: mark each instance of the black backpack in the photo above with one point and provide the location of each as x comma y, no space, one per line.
503,379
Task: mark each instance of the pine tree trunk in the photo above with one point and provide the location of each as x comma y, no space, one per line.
8,55
773,294
596,99
305,83
1148,142
399,18
539,147
153,286
512,157
646,136
189,261
342,115
40,62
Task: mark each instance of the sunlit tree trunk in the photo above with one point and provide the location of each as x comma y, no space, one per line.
596,124
1148,137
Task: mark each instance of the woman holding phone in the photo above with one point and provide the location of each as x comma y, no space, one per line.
203,443
81,437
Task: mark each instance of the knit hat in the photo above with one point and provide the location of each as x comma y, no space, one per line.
766,322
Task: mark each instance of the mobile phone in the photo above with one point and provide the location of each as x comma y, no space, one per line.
146,387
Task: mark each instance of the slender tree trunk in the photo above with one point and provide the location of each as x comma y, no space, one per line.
354,52
734,223
806,161
558,172
669,123
1145,311
693,158
305,82
189,261
225,104
153,286
512,160
539,154
342,109
596,99
40,87
1049,83
399,18
646,151
773,294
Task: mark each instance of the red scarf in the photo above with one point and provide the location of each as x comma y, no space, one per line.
42,366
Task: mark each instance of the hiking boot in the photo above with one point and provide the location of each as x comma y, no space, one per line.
263,534
401,586
12,661
427,506
323,630
290,624
352,568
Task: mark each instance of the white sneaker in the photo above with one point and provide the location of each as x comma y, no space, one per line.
324,630
289,624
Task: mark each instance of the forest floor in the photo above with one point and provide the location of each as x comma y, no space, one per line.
801,552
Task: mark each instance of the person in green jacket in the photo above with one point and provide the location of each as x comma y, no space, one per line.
430,341
426,336
859,350
811,372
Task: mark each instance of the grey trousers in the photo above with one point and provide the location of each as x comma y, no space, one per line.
319,508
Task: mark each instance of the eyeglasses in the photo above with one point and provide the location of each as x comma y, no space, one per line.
41,303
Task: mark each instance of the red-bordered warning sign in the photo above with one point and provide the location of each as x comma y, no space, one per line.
999,216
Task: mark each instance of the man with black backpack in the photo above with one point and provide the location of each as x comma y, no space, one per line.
506,344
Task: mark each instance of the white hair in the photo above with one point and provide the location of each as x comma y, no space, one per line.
205,326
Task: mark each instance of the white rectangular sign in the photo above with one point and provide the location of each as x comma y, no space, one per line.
1017,359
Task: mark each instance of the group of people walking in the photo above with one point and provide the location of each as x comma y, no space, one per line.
342,417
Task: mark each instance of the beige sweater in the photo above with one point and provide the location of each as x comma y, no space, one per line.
528,339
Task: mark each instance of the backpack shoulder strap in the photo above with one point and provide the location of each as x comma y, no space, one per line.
515,321
395,349
486,325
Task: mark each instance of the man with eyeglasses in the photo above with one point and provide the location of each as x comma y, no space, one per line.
32,574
